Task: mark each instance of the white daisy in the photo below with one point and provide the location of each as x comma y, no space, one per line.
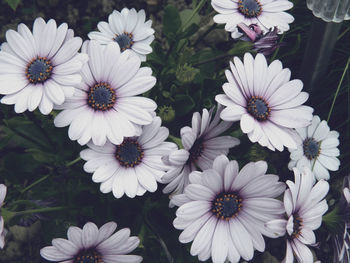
132,167
304,204
129,29
3,231
93,245
202,144
265,100
223,210
39,69
317,149
105,104
265,13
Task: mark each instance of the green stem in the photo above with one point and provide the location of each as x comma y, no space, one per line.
73,162
194,12
35,183
39,210
201,37
176,140
212,59
333,102
343,33
277,49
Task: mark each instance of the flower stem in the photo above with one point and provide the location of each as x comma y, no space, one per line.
39,210
176,140
35,183
73,162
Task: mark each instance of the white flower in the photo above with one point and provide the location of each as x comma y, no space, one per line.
265,13
129,29
265,100
304,205
3,231
202,144
317,149
91,244
105,104
224,210
39,69
132,167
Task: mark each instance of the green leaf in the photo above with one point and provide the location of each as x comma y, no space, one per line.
189,31
13,3
183,104
186,14
171,22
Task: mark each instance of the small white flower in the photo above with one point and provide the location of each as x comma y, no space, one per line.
265,100
129,29
202,144
304,204
265,13
94,245
105,104
223,210
317,149
3,231
39,69
132,167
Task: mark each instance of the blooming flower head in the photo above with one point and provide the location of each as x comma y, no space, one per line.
265,100
134,166
93,245
263,43
265,13
317,149
304,204
223,210
202,144
39,69
3,190
105,104
129,29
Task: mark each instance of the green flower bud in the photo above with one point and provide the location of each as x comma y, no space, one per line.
186,73
166,113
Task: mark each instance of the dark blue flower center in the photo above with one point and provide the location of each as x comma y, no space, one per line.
196,150
88,256
101,96
311,148
39,70
249,8
297,226
124,40
226,206
258,108
129,153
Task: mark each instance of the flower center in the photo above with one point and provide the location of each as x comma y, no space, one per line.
226,206
129,153
196,150
258,108
311,148
101,96
39,70
88,256
249,8
297,226
124,40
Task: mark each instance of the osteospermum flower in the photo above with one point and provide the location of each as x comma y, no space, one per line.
202,144
304,204
265,13
129,29
132,167
93,245
105,104
223,210
39,69
2,229
317,149
265,100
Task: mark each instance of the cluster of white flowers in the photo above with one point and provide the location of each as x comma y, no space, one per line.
223,210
